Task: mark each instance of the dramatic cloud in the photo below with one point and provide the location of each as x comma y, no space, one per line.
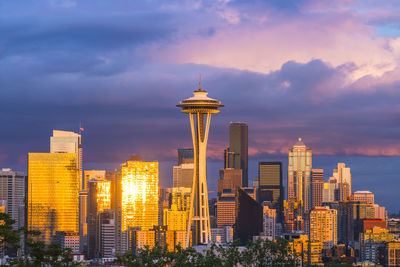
326,71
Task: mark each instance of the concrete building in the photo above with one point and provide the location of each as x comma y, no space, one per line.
222,235
380,212
229,179
106,234
183,175
364,197
68,240
317,187
226,209
343,177
269,222
12,185
323,226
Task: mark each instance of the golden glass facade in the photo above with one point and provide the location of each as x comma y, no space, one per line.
53,193
139,199
103,189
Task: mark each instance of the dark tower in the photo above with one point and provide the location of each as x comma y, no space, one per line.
238,150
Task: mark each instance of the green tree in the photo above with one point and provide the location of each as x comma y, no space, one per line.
9,237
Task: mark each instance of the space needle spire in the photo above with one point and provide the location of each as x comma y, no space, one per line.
199,107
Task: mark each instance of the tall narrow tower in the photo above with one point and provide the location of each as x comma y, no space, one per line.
199,107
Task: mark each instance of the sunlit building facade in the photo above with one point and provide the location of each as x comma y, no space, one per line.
323,226
307,252
99,200
139,194
68,142
53,194
299,175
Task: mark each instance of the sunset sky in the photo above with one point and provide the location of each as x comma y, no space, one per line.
327,71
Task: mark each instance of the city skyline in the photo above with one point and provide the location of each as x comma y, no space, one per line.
99,166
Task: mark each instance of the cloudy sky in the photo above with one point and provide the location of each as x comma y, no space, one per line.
327,71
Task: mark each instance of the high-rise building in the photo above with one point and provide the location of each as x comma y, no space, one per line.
183,175
12,191
343,177
249,217
380,212
185,155
236,156
317,187
94,174
106,235
83,226
299,175
68,240
364,197
200,108
269,222
392,254
175,219
226,208
176,215
53,194
139,189
229,179
270,185
329,191
323,226
68,142
99,200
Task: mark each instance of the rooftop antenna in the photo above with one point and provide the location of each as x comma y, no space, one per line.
200,82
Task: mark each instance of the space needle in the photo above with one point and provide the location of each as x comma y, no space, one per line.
199,107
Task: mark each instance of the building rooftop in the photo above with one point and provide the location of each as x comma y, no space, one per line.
363,192
299,142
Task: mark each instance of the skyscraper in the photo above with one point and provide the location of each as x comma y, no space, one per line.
317,187
12,191
343,179
139,194
68,142
299,175
99,200
229,179
183,175
323,226
249,217
200,107
238,150
270,185
185,155
53,194
176,216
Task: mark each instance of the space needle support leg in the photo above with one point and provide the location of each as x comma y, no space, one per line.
189,223
208,227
